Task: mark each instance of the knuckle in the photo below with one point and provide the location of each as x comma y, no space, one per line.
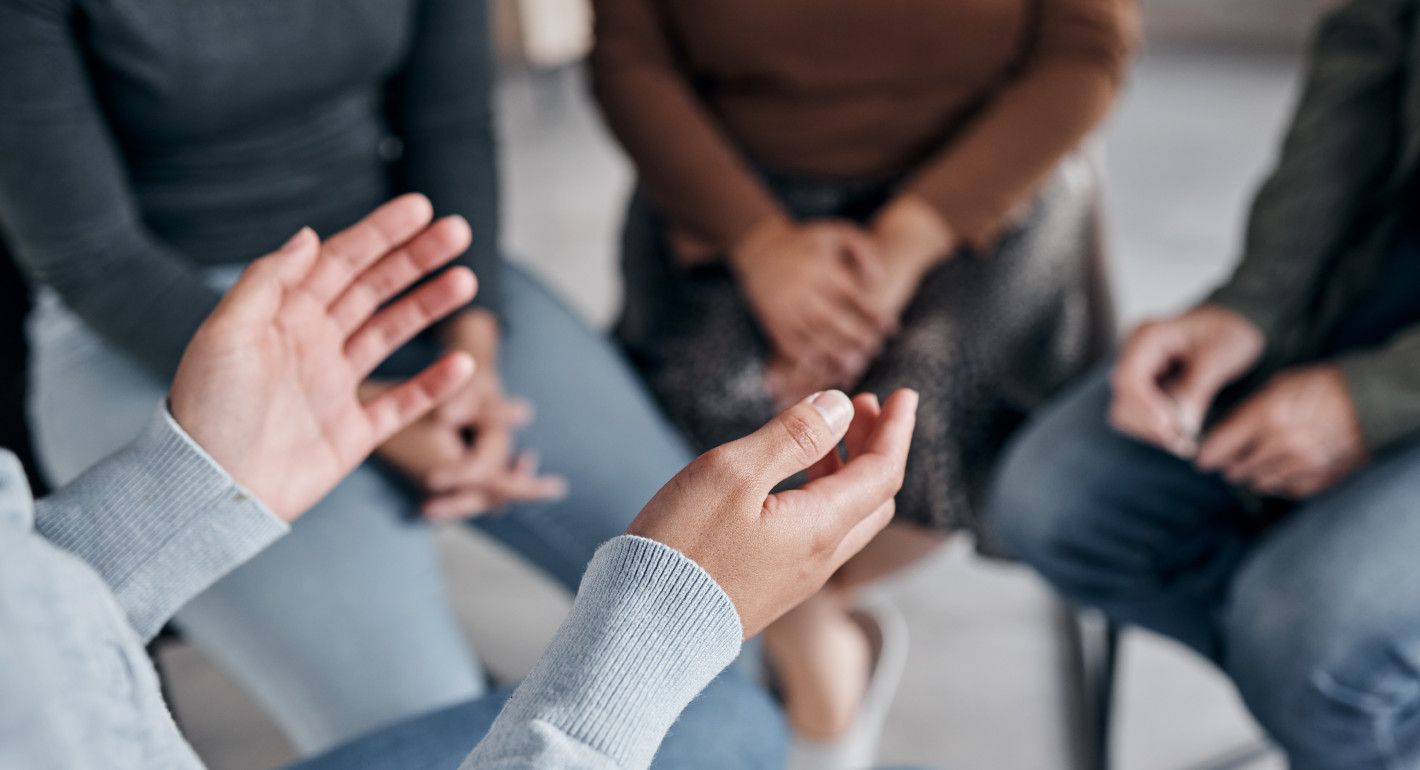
804,437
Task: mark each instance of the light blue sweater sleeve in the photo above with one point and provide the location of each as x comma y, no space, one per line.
648,631
159,520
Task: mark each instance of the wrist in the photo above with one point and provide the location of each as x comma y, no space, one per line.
914,236
744,252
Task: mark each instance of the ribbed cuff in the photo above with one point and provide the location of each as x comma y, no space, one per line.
160,521
647,633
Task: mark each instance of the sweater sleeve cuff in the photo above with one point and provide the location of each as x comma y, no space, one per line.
160,521
1385,391
648,631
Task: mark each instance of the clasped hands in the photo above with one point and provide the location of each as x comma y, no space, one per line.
829,293
463,455
270,388
1294,437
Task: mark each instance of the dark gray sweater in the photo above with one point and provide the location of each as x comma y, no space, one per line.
143,139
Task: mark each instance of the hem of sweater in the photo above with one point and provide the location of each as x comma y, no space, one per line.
648,631
161,521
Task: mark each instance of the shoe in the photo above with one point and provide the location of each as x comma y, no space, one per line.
858,748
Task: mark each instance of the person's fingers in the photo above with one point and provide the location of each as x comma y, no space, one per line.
400,269
837,503
346,254
1266,458
866,413
258,294
863,533
862,254
1194,390
796,439
399,322
1235,436
463,504
1140,406
1288,479
396,408
847,328
491,454
512,487
866,312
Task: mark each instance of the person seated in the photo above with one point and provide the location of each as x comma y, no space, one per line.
1246,477
859,195
147,151
265,416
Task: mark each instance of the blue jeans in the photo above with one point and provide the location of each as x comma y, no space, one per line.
1316,619
344,625
756,739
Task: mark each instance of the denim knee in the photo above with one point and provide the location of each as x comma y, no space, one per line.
1334,686
1050,489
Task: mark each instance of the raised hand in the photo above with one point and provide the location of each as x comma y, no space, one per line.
268,385
771,550
1171,370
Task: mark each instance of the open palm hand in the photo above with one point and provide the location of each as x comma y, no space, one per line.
268,385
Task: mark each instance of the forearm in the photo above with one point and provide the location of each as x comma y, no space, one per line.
648,631
1341,142
441,106
159,521
1065,88
689,167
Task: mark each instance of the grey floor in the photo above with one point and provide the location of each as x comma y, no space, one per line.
1183,151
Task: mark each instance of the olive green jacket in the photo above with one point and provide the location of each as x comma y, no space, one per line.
1323,222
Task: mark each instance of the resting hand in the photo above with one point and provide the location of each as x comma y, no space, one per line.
268,385
807,285
913,238
770,551
1171,370
463,456
1294,438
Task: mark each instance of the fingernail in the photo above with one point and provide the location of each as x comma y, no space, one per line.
835,407
295,239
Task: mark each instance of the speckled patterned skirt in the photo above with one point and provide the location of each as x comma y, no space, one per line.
989,337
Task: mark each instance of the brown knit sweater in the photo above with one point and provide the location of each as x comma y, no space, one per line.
974,101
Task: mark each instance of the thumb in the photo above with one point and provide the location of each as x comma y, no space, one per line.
799,437
1196,386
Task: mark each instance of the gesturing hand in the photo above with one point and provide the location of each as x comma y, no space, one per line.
770,551
807,285
268,385
1171,370
1295,437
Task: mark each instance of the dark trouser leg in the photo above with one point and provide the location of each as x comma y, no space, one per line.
1116,524
1322,633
